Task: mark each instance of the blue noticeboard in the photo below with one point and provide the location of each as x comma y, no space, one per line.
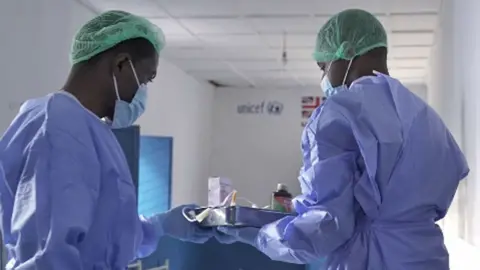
150,161
155,176
129,140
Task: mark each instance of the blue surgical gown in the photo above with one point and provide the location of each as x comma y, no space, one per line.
67,197
380,168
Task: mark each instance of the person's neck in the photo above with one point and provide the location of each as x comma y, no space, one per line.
88,95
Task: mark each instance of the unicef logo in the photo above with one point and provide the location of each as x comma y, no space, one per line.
263,107
274,107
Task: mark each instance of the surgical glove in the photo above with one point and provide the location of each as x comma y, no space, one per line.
246,235
174,224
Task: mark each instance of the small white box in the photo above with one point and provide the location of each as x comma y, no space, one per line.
218,190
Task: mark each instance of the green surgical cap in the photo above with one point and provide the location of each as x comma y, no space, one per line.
350,33
109,29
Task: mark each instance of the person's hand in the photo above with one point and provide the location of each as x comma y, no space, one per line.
246,235
174,224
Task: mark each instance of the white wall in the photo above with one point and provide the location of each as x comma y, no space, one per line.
445,97
181,107
34,49
36,39
453,92
257,151
260,150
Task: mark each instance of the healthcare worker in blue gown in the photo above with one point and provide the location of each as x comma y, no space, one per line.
67,197
380,166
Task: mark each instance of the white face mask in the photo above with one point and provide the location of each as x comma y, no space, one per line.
326,85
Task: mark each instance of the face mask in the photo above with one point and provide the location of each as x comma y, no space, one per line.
327,87
125,113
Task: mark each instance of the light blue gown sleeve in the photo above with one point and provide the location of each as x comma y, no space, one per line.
55,202
325,208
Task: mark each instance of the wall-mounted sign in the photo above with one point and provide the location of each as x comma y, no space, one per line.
309,104
264,107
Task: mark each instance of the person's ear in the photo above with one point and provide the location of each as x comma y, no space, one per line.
120,62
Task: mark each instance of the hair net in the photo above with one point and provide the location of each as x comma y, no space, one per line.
348,34
109,29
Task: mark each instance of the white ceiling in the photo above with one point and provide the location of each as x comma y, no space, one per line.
239,42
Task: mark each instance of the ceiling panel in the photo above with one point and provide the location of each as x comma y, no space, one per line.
170,27
307,75
218,26
222,8
277,7
277,83
409,52
209,75
174,53
292,41
414,6
411,39
147,8
407,73
237,82
233,41
199,8
270,7
199,65
406,63
222,54
240,42
268,74
303,24
419,80
309,64
299,54
413,22
183,41
257,65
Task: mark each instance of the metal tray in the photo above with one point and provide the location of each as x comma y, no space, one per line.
240,216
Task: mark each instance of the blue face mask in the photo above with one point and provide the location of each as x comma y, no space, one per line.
125,113
326,85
